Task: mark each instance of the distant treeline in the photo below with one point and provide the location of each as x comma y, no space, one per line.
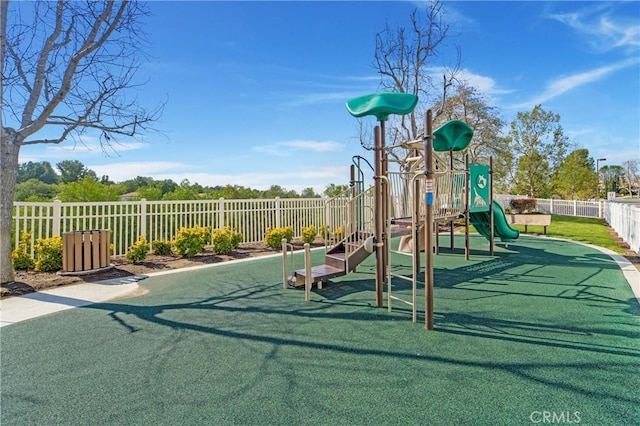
74,182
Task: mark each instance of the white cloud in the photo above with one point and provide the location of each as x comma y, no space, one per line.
317,146
565,84
119,172
284,149
307,99
602,30
484,84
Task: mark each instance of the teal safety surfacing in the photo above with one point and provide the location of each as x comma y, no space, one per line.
542,326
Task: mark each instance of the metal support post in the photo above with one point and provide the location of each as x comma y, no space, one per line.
428,225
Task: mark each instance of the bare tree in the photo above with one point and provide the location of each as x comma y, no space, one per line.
403,58
466,103
67,67
630,175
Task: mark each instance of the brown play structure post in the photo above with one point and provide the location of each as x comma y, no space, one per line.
491,219
379,215
467,207
428,225
385,208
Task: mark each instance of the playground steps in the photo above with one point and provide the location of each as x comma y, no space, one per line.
337,263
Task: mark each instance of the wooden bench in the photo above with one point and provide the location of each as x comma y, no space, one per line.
530,219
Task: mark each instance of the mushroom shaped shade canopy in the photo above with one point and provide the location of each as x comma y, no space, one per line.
382,104
453,135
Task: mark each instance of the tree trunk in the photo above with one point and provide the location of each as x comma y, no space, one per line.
9,151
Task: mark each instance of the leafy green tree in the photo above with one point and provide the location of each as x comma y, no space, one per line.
575,178
105,180
89,190
74,171
166,186
138,182
539,138
275,191
308,193
333,190
149,193
532,176
35,190
231,192
612,177
183,192
41,170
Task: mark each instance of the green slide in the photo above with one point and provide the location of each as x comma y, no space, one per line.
501,227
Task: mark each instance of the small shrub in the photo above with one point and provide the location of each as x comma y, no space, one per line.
21,256
191,241
309,234
523,205
138,250
225,240
273,237
48,253
324,231
339,233
205,231
162,247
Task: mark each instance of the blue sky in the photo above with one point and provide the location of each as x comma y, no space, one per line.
256,91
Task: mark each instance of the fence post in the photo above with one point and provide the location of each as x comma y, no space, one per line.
57,207
600,204
551,206
143,218
277,212
220,213
575,207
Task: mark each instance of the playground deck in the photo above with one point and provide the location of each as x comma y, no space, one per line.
543,328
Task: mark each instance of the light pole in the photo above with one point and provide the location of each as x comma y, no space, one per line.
598,176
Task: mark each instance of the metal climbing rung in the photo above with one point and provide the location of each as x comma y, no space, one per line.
391,297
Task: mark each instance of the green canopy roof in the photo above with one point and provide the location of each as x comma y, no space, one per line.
453,135
382,104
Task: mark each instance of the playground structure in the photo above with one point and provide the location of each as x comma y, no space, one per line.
364,220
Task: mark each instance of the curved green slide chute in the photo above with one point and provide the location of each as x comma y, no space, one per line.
501,227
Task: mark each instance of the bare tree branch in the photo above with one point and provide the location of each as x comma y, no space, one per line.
69,69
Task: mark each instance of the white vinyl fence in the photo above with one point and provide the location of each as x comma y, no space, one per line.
625,219
622,216
561,207
160,220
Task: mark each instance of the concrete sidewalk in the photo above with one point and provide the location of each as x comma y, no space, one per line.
32,305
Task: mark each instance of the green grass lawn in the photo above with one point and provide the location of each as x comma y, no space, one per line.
584,229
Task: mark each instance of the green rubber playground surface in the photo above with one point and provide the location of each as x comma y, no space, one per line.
543,328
